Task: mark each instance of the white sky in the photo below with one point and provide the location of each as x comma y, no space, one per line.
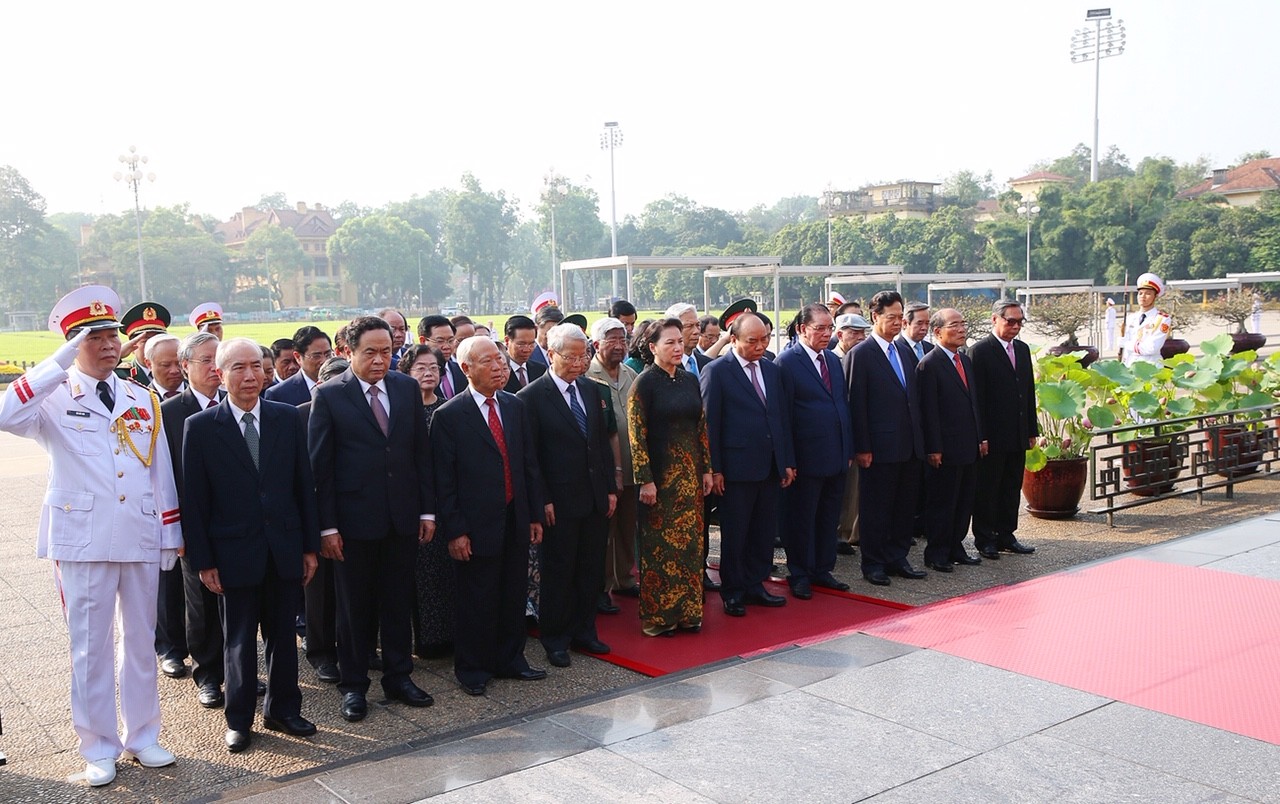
730,103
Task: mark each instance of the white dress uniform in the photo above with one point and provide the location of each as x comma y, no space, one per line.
110,520
1144,334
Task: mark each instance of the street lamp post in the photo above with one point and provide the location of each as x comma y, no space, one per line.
1104,41
830,202
421,298
610,139
1029,210
553,190
133,177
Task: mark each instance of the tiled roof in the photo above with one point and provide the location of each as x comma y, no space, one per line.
1040,175
1251,177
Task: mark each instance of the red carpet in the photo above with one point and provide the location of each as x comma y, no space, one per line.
800,622
1199,644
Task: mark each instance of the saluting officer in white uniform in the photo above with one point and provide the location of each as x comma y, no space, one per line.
109,521
1147,328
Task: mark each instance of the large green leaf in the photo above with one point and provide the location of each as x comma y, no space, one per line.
1182,406
1061,400
1145,404
1217,345
1035,460
1100,416
1113,372
1232,366
1192,377
1255,399
1146,371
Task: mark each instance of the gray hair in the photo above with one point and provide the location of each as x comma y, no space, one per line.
559,336
150,348
225,348
1004,304
333,367
194,341
463,351
913,308
267,354
679,309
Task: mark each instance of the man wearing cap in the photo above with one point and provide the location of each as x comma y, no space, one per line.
1147,328
607,368
110,521
851,330
752,457
140,322
207,317
521,338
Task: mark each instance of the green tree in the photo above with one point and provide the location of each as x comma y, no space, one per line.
1252,156
580,234
379,253
271,256
966,188
477,232
37,261
270,201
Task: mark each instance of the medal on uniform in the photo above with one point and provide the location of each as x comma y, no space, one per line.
140,422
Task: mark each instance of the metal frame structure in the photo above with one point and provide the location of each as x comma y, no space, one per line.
742,266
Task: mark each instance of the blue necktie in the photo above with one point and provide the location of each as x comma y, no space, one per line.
692,365
897,367
578,412
920,350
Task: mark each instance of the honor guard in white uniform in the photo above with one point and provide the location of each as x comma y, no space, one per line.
207,317
1147,328
109,522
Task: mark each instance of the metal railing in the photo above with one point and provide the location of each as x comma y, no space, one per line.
1139,464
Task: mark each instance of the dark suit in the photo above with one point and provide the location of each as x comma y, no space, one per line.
952,424
925,347
319,598
531,369
823,442
372,488
253,524
702,359
1009,423
577,477
471,495
751,445
196,607
918,522
457,379
293,391
886,423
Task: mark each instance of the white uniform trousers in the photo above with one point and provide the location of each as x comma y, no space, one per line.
98,598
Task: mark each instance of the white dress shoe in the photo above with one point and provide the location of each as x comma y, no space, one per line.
153,757
100,772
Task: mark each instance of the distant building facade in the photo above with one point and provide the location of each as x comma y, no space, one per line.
905,199
1241,186
1031,185
320,282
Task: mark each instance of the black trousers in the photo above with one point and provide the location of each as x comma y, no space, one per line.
376,575
491,592
171,616
273,606
813,516
949,491
995,510
204,630
748,516
888,493
322,615
573,552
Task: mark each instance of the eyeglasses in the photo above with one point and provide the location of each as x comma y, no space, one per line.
1016,322
319,355
822,328
440,341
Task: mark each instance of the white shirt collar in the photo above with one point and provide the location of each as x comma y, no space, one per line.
239,412
813,356
201,398
885,346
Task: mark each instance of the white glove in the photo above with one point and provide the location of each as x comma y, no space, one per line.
168,558
66,354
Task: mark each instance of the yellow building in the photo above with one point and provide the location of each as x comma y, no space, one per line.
905,199
320,282
1240,186
1030,185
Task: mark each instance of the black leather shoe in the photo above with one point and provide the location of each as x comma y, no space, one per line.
801,589
709,585
1015,546
472,689
605,605
905,570
933,565
735,608
531,674
630,591
354,706
173,668
966,559
589,646
406,692
210,696
262,688
328,672
558,658
877,577
375,661
297,725
765,599
990,554
829,581
238,741
845,549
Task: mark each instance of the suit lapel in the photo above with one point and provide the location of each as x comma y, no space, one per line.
741,374
478,420
268,434
558,401
351,387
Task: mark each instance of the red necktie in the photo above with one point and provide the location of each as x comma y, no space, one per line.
960,368
213,403
495,427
